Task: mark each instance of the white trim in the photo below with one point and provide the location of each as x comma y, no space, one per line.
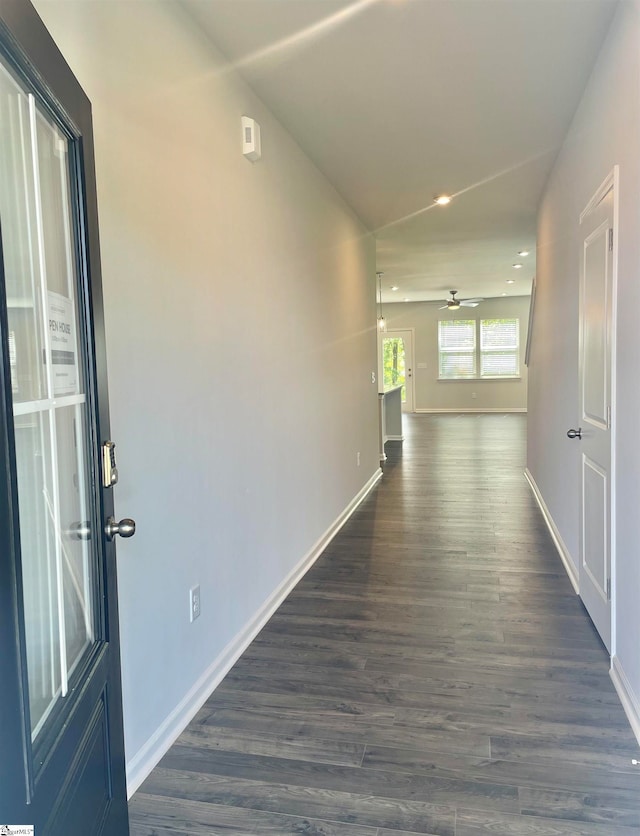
393,438
609,182
563,551
475,409
148,756
629,700
613,370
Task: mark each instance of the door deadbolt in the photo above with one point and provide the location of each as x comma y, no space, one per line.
109,469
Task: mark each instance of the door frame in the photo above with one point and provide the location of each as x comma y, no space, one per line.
390,333
610,183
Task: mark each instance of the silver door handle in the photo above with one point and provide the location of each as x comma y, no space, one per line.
80,530
575,433
125,528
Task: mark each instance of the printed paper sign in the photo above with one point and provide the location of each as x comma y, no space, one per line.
64,355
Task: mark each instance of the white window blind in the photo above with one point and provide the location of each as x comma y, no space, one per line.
457,348
499,347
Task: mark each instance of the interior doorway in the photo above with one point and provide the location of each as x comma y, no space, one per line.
397,364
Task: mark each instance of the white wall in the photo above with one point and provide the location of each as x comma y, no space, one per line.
605,132
240,313
434,394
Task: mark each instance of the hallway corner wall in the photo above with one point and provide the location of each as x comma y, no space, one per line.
240,315
605,132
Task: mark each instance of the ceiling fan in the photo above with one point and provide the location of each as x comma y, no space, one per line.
454,304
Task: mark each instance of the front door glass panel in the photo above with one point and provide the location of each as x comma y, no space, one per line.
394,364
48,382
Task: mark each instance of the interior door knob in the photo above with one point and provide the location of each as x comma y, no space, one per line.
575,433
124,528
80,530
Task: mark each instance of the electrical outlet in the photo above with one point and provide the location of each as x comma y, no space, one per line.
473,395
373,377
194,602
358,458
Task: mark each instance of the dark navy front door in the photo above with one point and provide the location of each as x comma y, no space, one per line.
61,740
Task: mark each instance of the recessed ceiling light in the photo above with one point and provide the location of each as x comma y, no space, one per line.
395,287
524,253
442,199
407,300
511,281
504,294
517,266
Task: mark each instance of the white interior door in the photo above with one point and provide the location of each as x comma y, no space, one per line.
397,364
596,327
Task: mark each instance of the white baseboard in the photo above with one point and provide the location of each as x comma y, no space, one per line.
148,756
394,438
473,409
629,700
563,551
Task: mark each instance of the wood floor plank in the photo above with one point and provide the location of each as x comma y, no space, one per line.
334,805
481,823
297,747
598,807
377,783
434,673
572,749
155,816
583,778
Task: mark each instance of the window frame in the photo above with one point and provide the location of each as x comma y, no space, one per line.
458,350
478,351
515,349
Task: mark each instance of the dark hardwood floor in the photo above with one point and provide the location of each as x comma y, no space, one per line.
433,673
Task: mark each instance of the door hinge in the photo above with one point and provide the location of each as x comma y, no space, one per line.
611,240
608,589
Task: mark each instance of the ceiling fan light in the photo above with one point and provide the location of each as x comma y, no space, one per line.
454,305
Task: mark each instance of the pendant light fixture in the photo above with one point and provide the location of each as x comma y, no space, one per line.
382,324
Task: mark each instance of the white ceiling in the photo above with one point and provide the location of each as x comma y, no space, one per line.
397,101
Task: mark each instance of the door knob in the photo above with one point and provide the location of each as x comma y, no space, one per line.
125,528
575,433
80,530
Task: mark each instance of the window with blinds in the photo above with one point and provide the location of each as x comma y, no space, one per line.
499,354
499,348
457,348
